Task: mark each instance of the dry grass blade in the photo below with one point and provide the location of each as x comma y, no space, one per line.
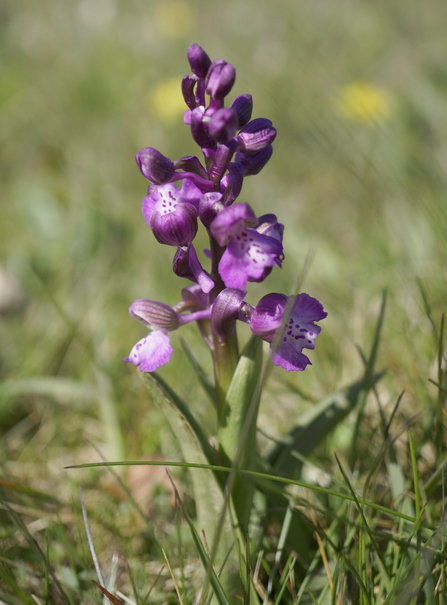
173,579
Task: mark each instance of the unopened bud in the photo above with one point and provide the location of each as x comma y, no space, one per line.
209,207
233,182
199,60
220,79
156,167
226,310
257,135
255,162
197,129
223,125
243,106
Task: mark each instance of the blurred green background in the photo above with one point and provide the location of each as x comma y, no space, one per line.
358,93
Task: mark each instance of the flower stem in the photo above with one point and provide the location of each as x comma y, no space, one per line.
226,349
226,357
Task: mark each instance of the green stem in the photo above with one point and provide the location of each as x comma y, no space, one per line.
226,357
225,350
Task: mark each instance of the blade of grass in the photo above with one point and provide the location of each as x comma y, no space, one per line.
281,543
47,575
173,579
317,488
206,561
132,501
66,599
90,539
132,582
368,372
441,398
285,578
365,522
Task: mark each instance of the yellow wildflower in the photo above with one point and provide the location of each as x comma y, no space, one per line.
364,102
166,101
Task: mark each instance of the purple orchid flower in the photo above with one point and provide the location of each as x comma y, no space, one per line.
287,323
154,350
248,252
244,248
172,213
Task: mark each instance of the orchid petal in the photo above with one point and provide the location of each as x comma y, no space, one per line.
151,352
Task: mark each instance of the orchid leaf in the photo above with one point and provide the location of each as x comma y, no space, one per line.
312,427
195,447
237,432
153,381
204,380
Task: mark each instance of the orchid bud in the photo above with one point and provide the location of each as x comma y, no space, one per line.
223,125
225,311
154,166
232,181
220,79
255,162
197,129
243,106
199,60
209,207
267,317
222,159
256,135
154,314
268,225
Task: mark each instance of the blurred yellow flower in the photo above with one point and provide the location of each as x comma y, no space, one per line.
166,101
175,18
364,102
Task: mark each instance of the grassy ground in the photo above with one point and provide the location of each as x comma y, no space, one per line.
359,176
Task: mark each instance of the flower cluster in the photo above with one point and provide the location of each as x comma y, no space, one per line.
243,248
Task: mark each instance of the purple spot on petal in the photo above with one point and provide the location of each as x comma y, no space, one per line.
303,330
284,339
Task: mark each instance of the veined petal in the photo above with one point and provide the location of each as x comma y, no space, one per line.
247,256
231,218
300,332
151,352
171,213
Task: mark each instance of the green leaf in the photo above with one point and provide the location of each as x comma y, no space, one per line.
205,381
208,494
237,425
201,550
157,386
313,427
